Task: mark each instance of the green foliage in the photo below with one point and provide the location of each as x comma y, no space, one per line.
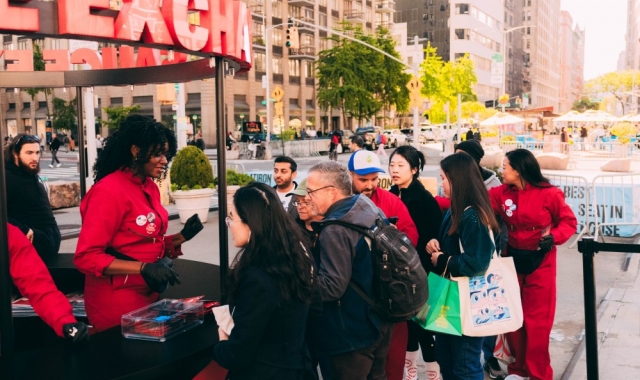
64,114
443,81
288,135
359,81
235,179
613,83
191,169
38,65
116,115
584,104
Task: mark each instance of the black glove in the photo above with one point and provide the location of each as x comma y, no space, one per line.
191,227
160,274
546,243
76,332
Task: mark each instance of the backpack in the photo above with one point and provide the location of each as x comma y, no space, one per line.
399,281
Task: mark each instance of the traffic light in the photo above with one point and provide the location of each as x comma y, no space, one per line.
293,38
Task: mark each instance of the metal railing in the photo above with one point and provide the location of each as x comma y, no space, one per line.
577,192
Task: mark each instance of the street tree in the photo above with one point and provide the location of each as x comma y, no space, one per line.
39,65
584,104
116,115
64,114
616,84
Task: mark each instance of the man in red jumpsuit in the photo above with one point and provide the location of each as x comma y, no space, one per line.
365,168
32,278
534,216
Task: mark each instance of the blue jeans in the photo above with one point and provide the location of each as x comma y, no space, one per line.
459,357
488,345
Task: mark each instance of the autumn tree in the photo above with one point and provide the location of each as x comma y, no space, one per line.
616,84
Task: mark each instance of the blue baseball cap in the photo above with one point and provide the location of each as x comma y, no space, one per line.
364,162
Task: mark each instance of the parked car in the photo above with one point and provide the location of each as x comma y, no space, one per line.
408,132
429,133
346,138
369,135
395,138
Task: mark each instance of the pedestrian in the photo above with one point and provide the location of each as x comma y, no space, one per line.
405,165
232,143
564,139
6,141
28,206
42,144
200,141
356,143
65,140
469,135
464,248
285,170
347,330
382,140
364,167
72,143
270,286
33,280
583,137
303,133
538,219
53,148
474,149
98,144
333,145
123,249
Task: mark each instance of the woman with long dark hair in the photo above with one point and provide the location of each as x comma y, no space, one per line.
405,164
538,219
122,248
270,286
466,225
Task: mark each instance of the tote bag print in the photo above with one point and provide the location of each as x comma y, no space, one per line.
488,303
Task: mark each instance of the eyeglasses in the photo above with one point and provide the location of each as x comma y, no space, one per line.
310,192
25,139
297,203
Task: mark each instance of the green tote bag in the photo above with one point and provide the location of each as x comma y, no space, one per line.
441,313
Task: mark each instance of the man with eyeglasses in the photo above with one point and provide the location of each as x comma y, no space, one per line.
28,205
306,215
364,167
347,331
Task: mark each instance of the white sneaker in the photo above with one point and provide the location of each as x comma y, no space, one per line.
515,377
51,166
59,165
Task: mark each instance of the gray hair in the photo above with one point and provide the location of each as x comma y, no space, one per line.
335,174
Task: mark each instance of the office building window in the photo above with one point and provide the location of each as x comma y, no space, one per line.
462,9
277,37
276,65
294,67
462,34
260,62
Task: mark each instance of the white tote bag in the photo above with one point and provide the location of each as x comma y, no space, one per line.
490,304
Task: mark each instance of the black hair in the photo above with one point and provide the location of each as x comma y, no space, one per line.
414,157
358,140
141,131
525,163
467,190
276,243
15,146
287,159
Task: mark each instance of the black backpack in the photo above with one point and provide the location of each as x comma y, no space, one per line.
399,281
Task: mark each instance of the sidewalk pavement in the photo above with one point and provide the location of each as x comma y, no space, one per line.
616,292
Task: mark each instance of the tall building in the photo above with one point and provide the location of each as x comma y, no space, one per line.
632,36
515,56
571,62
541,46
245,96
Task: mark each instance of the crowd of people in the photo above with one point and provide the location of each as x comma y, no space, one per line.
296,286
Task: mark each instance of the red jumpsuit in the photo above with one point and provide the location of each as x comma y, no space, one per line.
33,281
123,213
527,213
391,205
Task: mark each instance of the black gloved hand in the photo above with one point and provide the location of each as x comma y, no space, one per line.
546,243
192,227
76,332
160,274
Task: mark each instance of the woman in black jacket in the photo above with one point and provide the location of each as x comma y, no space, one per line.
405,164
270,286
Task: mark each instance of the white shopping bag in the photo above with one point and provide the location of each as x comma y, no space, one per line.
490,304
502,351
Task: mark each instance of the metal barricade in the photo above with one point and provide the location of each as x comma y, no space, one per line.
577,194
508,146
230,165
616,203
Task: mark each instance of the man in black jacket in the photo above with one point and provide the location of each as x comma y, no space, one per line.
28,205
53,147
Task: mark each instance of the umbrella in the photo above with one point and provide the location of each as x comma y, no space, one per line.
596,116
469,120
629,117
569,116
502,118
633,119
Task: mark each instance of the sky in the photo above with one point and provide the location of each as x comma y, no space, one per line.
605,22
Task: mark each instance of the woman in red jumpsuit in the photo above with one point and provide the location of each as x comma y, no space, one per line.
538,218
122,217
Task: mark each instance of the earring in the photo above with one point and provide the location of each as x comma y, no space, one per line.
135,159
249,237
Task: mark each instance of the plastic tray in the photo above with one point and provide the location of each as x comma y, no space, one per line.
162,320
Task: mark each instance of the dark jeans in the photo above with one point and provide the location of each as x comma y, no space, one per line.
459,357
421,338
366,363
54,156
488,345
46,241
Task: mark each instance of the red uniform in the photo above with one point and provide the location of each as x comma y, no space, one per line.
391,205
528,213
33,280
123,213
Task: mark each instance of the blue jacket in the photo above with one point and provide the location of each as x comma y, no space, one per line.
346,323
476,243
